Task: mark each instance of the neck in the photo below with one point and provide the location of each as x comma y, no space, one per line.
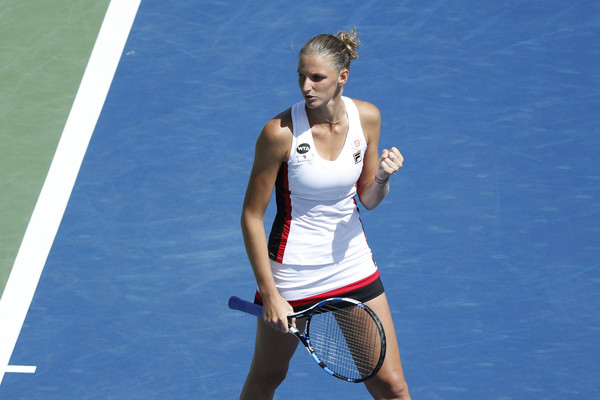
332,113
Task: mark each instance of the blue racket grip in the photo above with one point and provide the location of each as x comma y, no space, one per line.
235,303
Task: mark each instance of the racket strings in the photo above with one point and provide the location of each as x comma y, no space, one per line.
347,340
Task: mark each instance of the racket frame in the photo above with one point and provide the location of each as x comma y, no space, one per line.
242,305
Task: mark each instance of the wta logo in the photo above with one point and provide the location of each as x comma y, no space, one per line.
303,148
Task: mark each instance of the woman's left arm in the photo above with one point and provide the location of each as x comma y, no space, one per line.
373,183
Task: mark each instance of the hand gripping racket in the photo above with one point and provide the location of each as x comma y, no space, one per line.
343,336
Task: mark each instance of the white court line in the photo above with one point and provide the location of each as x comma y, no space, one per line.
57,188
21,369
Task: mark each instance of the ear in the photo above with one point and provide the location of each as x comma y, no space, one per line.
343,78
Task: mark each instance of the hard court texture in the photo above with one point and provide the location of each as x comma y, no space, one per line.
487,245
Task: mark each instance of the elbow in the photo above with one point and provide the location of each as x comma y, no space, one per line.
244,220
249,219
368,201
368,206
371,200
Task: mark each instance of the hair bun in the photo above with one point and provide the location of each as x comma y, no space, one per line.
351,40
342,48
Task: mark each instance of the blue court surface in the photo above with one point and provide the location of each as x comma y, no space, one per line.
488,243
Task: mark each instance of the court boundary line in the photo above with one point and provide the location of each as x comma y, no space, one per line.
62,174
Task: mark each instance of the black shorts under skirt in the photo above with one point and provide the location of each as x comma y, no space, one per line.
363,294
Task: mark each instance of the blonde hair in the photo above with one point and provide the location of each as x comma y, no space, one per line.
342,47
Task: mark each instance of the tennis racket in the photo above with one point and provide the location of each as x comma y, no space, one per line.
343,336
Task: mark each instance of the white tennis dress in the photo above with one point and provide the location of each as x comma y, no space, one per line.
317,243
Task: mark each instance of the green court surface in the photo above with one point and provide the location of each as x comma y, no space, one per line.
44,48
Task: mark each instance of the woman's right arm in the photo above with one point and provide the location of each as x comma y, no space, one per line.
272,148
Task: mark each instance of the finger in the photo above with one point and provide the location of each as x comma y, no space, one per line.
393,162
280,326
390,167
398,161
276,323
393,153
283,324
384,154
385,158
398,155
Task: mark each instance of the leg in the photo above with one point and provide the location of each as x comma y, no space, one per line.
272,353
389,382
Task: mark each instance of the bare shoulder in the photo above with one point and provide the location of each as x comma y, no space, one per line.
276,135
369,113
370,119
280,125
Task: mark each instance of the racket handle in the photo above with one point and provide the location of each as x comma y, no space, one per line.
235,303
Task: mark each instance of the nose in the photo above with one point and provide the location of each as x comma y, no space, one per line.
305,85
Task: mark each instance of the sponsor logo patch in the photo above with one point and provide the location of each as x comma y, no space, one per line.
303,148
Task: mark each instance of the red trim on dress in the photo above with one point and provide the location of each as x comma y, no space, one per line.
333,293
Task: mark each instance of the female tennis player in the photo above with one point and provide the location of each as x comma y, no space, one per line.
317,155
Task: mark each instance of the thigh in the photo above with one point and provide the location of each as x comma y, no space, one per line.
391,374
272,353
272,350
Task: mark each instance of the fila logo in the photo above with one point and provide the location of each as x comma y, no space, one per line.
303,148
357,157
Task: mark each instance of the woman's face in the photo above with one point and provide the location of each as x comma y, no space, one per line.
318,79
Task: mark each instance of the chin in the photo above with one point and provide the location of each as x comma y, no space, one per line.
314,103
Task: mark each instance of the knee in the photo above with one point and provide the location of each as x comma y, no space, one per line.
273,378
399,390
262,384
392,387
